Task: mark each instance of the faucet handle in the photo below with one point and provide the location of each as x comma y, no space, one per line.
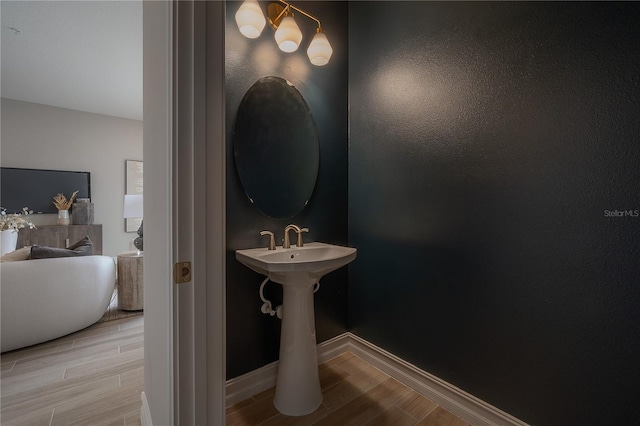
299,243
272,241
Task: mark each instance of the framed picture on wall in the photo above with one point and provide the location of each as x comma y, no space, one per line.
134,185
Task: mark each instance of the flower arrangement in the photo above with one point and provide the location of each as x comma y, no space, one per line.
61,202
15,221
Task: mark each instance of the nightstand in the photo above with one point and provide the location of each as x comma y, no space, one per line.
130,281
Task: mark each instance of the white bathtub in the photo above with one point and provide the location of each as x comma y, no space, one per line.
45,299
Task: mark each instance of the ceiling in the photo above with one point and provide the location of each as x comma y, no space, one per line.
81,55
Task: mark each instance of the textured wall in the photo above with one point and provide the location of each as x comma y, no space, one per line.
486,142
252,337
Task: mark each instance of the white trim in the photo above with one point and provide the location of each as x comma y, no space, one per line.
212,84
449,397
158,33
145,414
333,347
252,383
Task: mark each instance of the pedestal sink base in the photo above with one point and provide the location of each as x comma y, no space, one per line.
298,385
298,269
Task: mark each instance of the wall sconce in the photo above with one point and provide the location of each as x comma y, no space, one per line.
251,22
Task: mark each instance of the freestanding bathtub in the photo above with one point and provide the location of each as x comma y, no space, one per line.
45,299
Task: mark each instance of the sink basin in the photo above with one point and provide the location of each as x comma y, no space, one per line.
298,269
309,262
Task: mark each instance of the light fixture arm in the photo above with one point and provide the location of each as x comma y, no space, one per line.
284,12
291,6
250,21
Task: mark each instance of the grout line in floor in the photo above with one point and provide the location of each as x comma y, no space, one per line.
53,412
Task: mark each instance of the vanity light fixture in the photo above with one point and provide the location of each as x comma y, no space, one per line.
250,19
319,50
288,36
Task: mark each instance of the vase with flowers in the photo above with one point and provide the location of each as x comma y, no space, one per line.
63,205
10,224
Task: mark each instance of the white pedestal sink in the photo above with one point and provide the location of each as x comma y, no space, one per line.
297,269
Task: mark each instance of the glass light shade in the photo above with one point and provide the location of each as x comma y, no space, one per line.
319,51
250,19
288,35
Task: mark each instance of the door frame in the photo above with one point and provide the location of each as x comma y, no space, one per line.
184,151
214,196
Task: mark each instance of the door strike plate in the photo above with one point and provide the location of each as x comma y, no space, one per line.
182,272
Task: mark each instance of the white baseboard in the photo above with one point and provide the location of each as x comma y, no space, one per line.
252,383
451,398
256,381
145,414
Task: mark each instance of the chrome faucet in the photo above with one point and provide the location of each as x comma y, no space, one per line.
299,231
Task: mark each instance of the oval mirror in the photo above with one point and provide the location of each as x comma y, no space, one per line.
275,144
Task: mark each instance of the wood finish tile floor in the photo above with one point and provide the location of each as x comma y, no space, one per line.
354,393
89,378
95,377
114,312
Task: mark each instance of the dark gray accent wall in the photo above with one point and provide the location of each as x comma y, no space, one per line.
487,143
253,338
